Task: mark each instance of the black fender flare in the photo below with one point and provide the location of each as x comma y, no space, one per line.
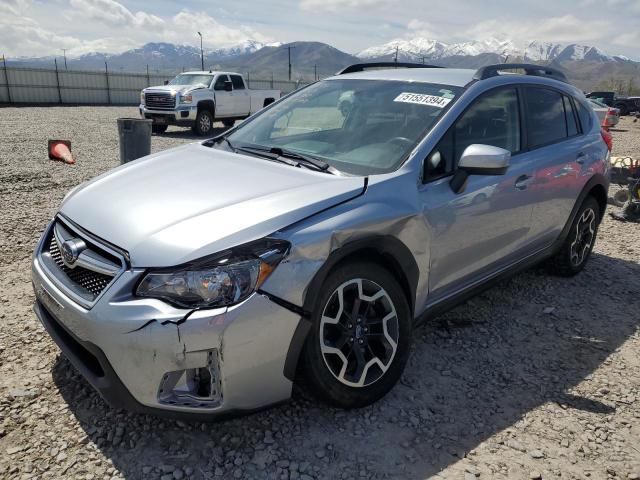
390,252
599,184
209,105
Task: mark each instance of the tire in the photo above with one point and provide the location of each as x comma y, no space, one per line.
204,122
624,111
360,382
228,122
577,247
159,129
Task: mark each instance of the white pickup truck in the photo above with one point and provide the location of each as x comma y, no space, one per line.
197,99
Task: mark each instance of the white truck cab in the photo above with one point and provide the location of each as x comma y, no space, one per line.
197,99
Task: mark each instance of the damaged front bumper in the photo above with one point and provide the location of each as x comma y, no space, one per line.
147,356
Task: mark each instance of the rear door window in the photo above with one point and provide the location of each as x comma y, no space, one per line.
238,84
546,122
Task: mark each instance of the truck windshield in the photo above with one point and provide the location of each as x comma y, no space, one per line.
191,79
360,127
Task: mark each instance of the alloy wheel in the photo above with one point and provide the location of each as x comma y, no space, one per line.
359,332
205,123
584,236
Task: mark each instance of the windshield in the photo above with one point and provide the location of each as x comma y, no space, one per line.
191,79
360,127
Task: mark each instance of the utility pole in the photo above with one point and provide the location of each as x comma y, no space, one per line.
423,59
289,47
201,52
396,59
315,72
64,54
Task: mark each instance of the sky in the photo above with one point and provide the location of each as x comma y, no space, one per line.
45,27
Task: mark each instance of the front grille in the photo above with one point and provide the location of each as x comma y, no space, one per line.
94,269
94,282
160,101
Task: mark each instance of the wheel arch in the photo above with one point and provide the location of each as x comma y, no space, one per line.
208,105
384,250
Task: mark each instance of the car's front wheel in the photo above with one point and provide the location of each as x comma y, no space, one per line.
204,122
361,335
577,247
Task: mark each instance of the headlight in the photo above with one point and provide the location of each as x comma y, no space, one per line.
221,280
185,98
141,97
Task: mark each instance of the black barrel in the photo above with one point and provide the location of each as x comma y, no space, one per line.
135,138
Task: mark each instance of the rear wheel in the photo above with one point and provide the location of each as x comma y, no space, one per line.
360,338
577,247
158,129
204,122
623,109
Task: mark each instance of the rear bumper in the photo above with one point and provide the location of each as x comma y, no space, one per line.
126,347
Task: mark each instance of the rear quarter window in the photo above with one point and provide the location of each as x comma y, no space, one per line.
584,114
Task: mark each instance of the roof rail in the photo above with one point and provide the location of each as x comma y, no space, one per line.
529,69
361,67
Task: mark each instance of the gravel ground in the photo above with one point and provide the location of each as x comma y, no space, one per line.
539,377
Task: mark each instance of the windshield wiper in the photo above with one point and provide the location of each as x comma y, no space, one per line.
264,153
303,159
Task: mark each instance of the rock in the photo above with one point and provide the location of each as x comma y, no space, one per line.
320,453
178,474
537,454
548,310
516,445
535,475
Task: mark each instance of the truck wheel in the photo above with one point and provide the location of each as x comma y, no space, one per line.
228,122
576,249
204,122
623,109
360,339
158,129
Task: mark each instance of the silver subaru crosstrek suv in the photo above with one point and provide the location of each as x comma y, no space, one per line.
309,241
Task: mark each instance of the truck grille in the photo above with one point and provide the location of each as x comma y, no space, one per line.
160,101
95,267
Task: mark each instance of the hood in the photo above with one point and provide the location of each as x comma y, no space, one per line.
191,201
182,89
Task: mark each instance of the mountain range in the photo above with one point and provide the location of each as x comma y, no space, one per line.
587,66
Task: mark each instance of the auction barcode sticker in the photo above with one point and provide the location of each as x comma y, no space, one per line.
422,99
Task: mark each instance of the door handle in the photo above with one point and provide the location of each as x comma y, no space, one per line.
523,182
580,158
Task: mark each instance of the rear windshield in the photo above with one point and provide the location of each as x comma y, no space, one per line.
186,79
357,126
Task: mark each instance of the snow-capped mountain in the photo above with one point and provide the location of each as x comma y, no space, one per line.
418,48
413,49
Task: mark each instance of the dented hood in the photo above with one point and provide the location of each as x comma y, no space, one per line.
192,201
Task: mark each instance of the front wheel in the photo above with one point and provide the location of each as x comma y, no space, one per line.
204,122
577,247
361,334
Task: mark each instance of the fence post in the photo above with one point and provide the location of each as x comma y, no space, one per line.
6,77
106,73
248,80
148,81
55,61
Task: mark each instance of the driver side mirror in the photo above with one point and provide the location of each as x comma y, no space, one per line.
166,82
228,86
478,159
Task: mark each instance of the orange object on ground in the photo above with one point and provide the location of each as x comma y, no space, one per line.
61,150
